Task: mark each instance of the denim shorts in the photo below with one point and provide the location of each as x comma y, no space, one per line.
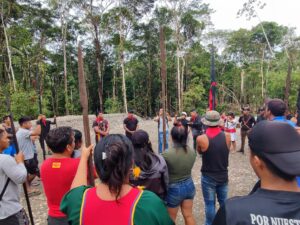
180,191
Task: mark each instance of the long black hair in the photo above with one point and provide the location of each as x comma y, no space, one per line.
143,151
113,157
179,137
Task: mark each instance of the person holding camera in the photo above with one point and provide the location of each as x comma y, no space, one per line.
182,121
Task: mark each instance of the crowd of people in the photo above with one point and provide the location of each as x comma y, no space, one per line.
139,186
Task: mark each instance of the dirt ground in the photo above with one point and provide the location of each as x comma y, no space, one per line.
241,176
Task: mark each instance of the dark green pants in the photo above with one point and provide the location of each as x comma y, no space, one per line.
244,134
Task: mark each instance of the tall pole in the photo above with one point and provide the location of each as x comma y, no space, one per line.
18,150
85,111
298,108
212,94
163,72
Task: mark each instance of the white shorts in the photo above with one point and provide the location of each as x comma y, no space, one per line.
233,136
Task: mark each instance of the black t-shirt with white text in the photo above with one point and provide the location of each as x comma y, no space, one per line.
263,207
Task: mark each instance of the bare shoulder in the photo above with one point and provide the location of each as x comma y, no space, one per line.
202,143
202,138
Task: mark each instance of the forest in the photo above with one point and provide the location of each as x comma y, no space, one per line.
122,57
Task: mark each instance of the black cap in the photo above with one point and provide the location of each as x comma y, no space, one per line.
130,111
278,142
140,138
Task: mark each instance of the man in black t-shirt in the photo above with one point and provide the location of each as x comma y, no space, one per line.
130,124
45,128
197,126
247,121
275,157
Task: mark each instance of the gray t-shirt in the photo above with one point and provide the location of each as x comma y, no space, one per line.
10,203
25,143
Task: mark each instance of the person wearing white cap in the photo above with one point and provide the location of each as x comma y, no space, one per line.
182,121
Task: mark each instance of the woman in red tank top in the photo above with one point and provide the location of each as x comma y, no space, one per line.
113,201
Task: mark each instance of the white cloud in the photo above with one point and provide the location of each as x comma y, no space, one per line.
283,12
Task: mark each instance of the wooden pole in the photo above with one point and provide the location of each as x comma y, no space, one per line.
163,72
18,150
85,113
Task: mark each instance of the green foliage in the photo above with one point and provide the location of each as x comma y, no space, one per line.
193,98
112,106
34,32
23,103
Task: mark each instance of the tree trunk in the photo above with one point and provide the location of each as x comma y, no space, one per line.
163,72
242,97
11,70
178,79
114,84
64,36
38,89
99,70
85,110
149,87
262,73
182,85
121,58
288,83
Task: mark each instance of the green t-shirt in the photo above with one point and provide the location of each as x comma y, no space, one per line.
180,163
149,208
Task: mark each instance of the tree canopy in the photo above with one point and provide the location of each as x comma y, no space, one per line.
38,66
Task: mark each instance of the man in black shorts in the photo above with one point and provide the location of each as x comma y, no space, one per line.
25,137
130,124
274,157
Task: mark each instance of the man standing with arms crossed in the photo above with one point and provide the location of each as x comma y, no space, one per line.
130,124
101,127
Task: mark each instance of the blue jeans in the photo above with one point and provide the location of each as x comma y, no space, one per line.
298,181
161,140
180,191
211,189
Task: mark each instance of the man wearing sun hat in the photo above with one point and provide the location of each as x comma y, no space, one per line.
274,157
214,147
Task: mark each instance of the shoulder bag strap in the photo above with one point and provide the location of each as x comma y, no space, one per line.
4,189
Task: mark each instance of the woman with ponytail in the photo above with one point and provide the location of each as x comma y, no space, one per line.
114,201
181,190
